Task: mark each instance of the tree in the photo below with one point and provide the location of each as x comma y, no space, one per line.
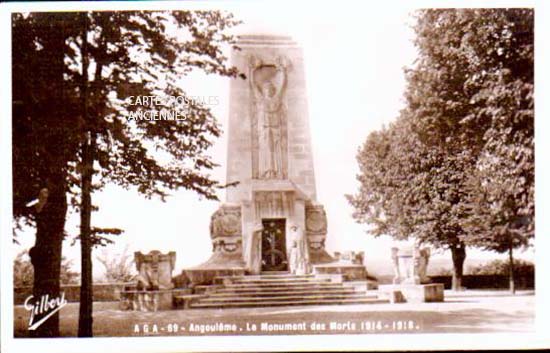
128,53
118,267
44,140
410,190
457,167
474,86
23,271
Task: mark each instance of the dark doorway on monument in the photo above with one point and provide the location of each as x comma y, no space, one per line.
274,245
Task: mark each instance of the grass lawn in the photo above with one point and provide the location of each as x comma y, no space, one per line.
470,311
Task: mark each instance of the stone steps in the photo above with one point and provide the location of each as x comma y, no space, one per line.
314,296
266,303
268,275
230,293
281,282
281,289
261,289
275,279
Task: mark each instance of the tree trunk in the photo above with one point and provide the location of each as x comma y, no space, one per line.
85,319
459,256
46,253
511,272
85,322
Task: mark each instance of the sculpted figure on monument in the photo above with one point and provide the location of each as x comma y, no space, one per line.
299,256
154,273
268,83
395,263
410,264
154,270
421,262
254,249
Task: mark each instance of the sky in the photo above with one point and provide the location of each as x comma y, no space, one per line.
354,64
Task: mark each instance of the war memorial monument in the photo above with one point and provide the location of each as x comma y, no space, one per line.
268,237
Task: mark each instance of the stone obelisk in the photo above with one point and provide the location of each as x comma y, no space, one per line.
273,206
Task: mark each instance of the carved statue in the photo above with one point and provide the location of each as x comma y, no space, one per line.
155,269
267,93
253,250
154,273
299,255
423,259
395,262
410,264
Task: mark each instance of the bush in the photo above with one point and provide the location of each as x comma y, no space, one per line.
502,267
23,272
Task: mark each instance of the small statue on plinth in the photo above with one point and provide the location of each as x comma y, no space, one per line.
410,264
154,274
299,256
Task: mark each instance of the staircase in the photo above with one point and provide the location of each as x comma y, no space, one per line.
279,289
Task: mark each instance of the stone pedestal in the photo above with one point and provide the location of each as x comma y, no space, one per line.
153,288
413,293
410,282
153,300
227,250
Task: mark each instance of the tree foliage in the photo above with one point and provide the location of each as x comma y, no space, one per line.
473,92
457,166
131,53
59,108
23,273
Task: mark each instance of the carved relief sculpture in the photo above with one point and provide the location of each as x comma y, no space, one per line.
155,269
267,86
154,274
410,265
316,231
226,229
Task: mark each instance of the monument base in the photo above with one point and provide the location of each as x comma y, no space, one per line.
349,272
413,293
150,300
220,264
206,276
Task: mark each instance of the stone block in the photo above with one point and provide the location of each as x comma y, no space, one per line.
415,293
206,276
349,272
150,300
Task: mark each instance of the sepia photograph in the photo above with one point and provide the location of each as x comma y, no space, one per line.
263,176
